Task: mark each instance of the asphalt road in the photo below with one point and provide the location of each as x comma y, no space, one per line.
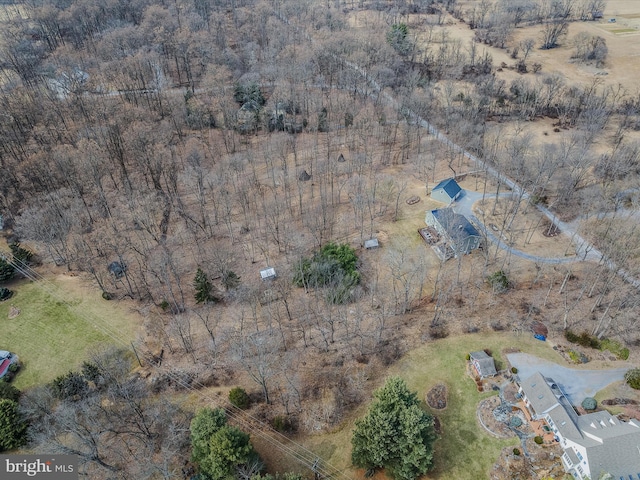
576,384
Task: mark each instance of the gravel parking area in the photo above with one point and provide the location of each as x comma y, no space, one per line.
576,384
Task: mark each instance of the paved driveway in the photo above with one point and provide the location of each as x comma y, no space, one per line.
576,384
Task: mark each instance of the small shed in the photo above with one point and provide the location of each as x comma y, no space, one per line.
447,191
268,273
483,363
371,243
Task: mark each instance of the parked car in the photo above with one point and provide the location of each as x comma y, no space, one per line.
6,360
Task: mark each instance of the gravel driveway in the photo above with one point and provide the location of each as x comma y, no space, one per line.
576,384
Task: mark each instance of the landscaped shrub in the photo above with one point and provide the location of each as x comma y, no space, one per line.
14,367
107,296
499,281
467,357
515,422
570,336
577,357
615,347
5,294
514,370
20,255
6,270
281,424
91,372
438,331
538,439
632,377
239,398
9,392
516,452
589,403
72,384
587,340
584,339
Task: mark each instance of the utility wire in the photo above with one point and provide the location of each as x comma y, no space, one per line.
255,426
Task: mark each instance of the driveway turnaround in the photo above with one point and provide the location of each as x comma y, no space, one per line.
576,384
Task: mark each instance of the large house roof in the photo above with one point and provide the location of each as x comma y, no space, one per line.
457,226
611,445
450,187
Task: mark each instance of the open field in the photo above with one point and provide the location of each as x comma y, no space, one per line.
465,449
59,325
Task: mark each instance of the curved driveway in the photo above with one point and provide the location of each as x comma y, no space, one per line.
464,206
576,384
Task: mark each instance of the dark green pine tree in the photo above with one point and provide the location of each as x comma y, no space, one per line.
396,434
205,291
13,429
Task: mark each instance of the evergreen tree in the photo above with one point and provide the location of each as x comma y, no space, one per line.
13,429
205,291
6,270
396,434
219,449
9,392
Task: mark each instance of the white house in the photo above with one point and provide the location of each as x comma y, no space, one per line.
594,444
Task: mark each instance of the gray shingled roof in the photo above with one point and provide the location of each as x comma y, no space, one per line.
457,226
485,362
539,393
618,455
611,445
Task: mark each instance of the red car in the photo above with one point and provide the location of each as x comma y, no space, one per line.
6,359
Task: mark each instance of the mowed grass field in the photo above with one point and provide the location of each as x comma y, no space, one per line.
58,327
464,450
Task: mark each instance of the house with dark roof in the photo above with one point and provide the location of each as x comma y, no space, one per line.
447,191
483,363
594,444
458,233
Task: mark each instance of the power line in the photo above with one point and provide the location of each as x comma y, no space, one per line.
298,452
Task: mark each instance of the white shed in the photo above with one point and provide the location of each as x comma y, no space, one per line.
268,273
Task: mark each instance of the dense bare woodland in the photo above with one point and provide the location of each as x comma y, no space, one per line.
233,135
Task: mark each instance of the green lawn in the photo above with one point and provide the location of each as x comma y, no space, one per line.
58,326
465,450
